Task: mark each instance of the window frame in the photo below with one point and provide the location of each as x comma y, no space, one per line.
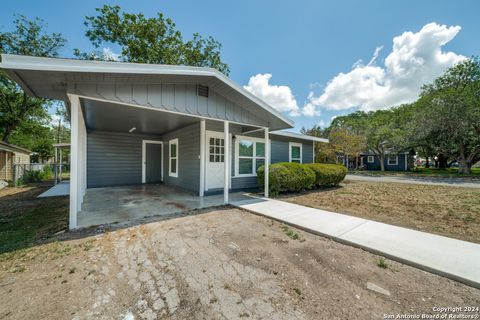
396,160
295,144
170,173
253,158
370,159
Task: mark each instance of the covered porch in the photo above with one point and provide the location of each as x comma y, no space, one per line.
126,203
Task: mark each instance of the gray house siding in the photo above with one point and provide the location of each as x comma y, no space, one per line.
181,98
279,153
188,158
375,165
114,158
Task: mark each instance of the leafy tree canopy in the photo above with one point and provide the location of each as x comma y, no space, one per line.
17,109
149,40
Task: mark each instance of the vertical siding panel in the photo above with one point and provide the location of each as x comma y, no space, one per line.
191,99
155,95
168,96
180,98
139,94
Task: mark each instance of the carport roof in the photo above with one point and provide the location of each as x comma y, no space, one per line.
49,77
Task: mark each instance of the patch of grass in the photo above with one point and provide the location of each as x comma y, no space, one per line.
297,291
290,233
381,263
87,245
72,270
26,220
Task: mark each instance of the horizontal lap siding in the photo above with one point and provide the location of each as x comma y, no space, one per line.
376,164
114,158
279,153
188,158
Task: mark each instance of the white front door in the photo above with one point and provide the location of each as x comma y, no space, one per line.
215,160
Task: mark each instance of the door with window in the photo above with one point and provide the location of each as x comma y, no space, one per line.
215,160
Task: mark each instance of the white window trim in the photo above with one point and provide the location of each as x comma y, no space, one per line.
390,163
295,144
370,159
254,157
170,173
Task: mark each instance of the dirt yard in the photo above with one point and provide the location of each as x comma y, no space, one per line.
448,211
223,264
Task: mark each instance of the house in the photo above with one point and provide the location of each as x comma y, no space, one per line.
188,127
11,155
394,161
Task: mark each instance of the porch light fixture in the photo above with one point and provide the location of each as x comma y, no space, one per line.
132,129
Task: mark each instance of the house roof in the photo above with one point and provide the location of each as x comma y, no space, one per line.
49,78
298,136
13,148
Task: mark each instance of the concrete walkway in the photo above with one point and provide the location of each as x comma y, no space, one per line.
455,259
451,182
61,189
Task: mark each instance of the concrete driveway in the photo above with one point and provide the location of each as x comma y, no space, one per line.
436,181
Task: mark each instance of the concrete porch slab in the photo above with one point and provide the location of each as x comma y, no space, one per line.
118,204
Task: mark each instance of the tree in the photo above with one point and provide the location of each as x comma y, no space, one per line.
324,153
16,107
449,113
347,142
149,40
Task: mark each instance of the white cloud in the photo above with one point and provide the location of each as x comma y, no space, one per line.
109,55
416,59
279,97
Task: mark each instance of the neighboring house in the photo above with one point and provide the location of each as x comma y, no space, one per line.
188,127
402,161
11,155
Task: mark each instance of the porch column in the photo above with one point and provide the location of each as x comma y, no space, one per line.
78,159
267,162
227,153
202,158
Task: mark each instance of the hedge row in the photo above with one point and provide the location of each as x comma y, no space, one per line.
294,177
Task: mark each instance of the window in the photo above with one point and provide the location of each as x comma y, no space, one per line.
216,150
250,155
392,160
295,152
173,156
370,159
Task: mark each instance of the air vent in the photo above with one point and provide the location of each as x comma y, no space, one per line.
202,91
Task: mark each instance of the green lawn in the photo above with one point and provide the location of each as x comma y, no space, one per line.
26,220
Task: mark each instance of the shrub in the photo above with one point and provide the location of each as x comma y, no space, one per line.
287,177
36,176
327,174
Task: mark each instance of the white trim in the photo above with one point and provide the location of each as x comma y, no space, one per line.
144,158
372,159
298,136
396,160
295,144
202,157
267,165
254,157
227,152
78,162
170,173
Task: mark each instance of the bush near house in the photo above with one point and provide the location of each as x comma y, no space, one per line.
287,177
36,176
294,177
328,174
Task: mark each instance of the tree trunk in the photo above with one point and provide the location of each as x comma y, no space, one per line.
382,161
442,161
427,162
464,166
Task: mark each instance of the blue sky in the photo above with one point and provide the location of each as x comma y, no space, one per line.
305,45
